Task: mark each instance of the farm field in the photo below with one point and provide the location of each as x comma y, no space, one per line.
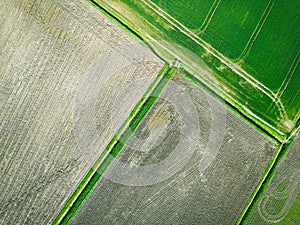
49,74
230,35
280,201
252,70
293,214
268,57
170,171
149,112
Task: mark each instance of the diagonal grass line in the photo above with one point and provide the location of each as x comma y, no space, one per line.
231,106
164,53
114,147
128,29
282,149
265,181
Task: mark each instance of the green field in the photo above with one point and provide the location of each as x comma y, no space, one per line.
241,38
277,46
197,11
226,25
94,133
232,24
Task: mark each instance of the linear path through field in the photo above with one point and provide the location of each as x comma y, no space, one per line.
288,76
206,180
209,16
236,68
257,30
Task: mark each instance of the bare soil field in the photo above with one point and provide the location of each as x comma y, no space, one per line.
188,162
49,49
279,203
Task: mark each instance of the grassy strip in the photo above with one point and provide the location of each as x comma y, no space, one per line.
131,31
234,105
264,182
227,77
281,151
231,106
114,147
230,102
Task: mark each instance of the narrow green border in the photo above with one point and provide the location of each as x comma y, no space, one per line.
234,105
280,152
135,118
114,147
280,135
131,31
265,181
230,106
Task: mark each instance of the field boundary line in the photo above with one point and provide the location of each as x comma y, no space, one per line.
209,16
257,30
231,101
62,217
264,182
208,83
234,67
157,47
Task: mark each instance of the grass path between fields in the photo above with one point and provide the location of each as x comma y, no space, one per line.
236,68
116,144
114,147
264,182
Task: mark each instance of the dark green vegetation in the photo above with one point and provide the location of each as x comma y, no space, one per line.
90,212
254,63
226,25
261,36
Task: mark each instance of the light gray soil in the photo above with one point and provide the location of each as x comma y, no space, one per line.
46,49
210,182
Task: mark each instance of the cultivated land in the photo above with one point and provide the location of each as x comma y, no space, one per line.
242,31
226,25
257,70
65,112
293,214
280,202
210,181
46,50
